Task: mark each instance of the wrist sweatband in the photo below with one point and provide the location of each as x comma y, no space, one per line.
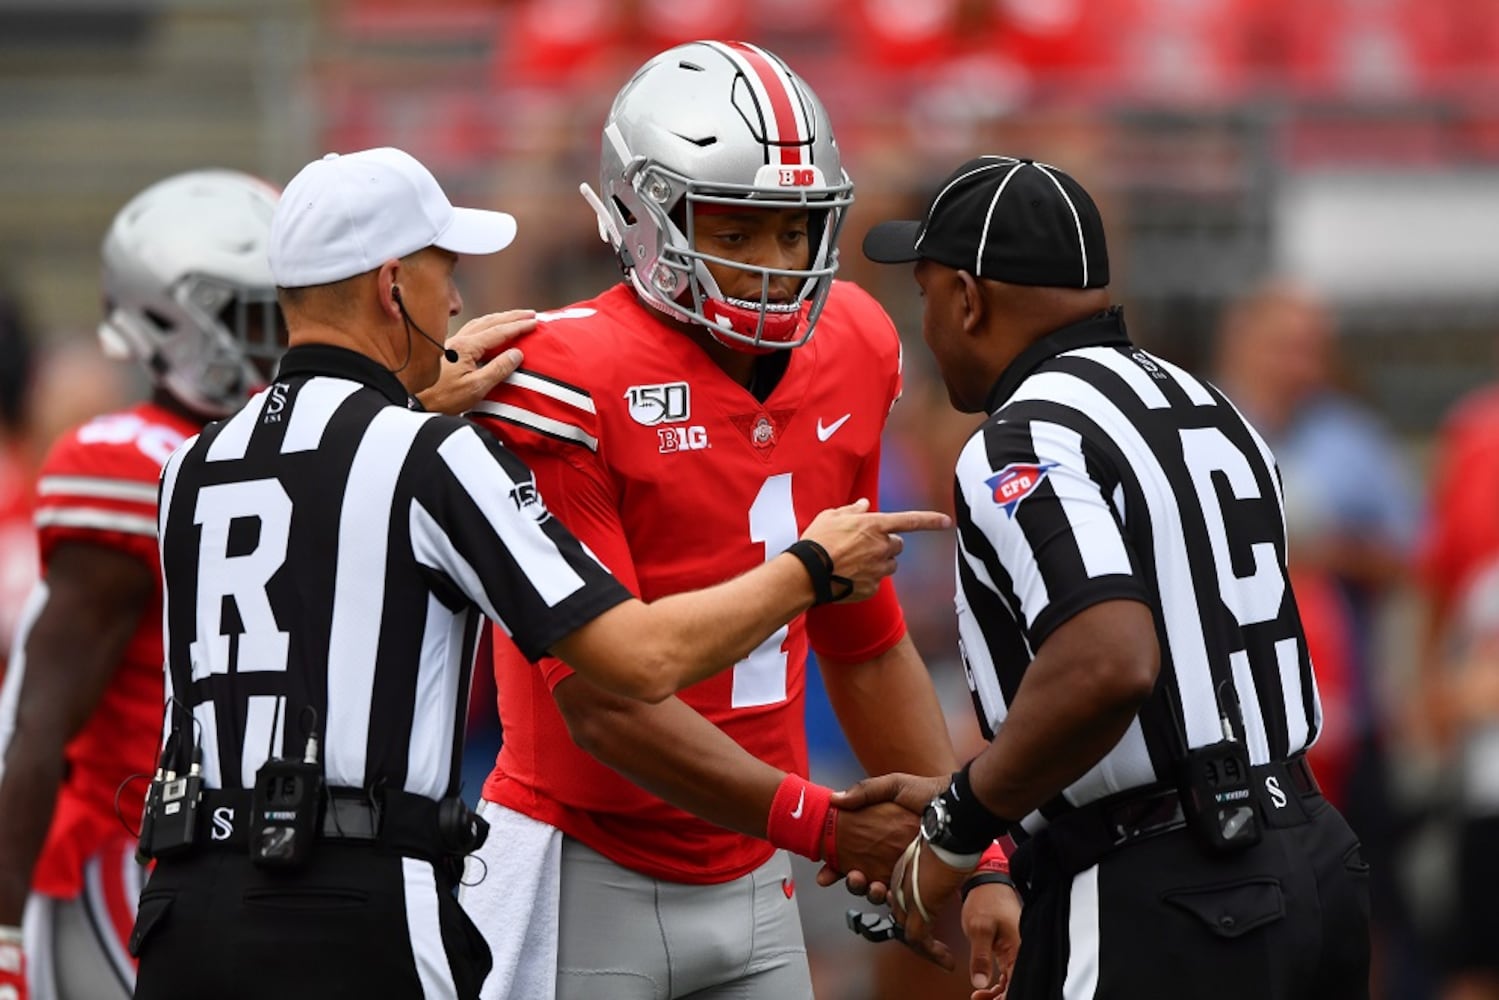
971,827
827,586
799,817
982,877
994,859
993,869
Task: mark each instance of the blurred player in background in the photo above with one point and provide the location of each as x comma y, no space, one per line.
188,293
1458,681
685,423
17,538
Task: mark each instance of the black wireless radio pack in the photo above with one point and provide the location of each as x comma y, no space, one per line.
286,809
1217,795
1219,798
169,822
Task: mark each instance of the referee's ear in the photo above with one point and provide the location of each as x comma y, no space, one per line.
975,304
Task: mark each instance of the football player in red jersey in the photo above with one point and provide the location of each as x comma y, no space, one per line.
187,292
684,423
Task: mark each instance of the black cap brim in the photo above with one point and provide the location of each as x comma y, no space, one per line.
893,242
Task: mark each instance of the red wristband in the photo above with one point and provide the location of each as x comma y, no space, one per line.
994,859
799,820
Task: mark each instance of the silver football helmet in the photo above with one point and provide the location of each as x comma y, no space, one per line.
719,123
188,289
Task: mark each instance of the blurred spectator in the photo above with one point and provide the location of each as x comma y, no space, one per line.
1348,491
1462,536
1365,48
1329,639
1459,690
17,539
1470,656
1350,524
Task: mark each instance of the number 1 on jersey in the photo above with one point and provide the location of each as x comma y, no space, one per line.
760,678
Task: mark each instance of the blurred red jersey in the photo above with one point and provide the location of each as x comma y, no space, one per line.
98,486
1462,534
678,478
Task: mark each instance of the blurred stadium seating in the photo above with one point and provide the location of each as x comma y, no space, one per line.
1199,120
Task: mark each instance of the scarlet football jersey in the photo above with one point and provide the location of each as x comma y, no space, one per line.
98,486
678,478
1463,534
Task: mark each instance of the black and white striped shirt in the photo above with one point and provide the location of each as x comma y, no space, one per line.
1104,472
329,552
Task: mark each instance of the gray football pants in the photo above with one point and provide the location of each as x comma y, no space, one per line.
627,936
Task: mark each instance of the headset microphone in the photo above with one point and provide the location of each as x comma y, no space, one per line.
450,355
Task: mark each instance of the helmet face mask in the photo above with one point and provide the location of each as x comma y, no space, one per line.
721,125
188,288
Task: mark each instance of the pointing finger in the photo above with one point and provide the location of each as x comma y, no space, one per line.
911,520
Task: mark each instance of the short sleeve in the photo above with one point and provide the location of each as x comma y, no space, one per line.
579,492
98,485
1034,516
481,520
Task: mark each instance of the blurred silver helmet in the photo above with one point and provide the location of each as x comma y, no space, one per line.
719,123
188,289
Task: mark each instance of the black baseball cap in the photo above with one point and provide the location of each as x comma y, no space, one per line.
1008,219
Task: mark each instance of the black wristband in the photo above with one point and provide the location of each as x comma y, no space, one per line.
977,879
971,825
827,586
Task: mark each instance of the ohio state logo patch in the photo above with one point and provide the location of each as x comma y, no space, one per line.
763,433
1017,481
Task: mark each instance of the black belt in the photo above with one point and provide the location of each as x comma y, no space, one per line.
405,822
1081,837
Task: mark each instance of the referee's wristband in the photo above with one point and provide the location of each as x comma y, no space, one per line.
827,586
971,825
982,877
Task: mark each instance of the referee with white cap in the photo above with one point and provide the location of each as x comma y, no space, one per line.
1129,632
329,554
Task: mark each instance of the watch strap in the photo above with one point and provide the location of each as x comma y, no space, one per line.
971,827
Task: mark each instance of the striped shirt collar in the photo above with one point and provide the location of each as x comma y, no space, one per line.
340,362
1106,327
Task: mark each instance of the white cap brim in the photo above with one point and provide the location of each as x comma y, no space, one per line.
477,231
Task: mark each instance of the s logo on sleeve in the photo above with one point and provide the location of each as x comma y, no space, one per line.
1017,481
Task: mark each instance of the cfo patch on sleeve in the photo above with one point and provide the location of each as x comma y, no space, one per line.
1017,481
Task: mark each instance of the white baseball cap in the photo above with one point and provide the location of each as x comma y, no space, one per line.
346,215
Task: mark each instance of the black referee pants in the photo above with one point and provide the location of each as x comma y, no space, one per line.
1161,918
359,921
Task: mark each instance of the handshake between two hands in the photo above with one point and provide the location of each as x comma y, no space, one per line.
878,819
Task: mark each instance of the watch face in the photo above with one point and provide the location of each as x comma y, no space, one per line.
934,821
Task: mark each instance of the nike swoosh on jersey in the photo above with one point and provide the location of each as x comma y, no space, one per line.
823,433
797,812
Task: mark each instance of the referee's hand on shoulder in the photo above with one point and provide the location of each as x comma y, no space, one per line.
483,361
863,544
